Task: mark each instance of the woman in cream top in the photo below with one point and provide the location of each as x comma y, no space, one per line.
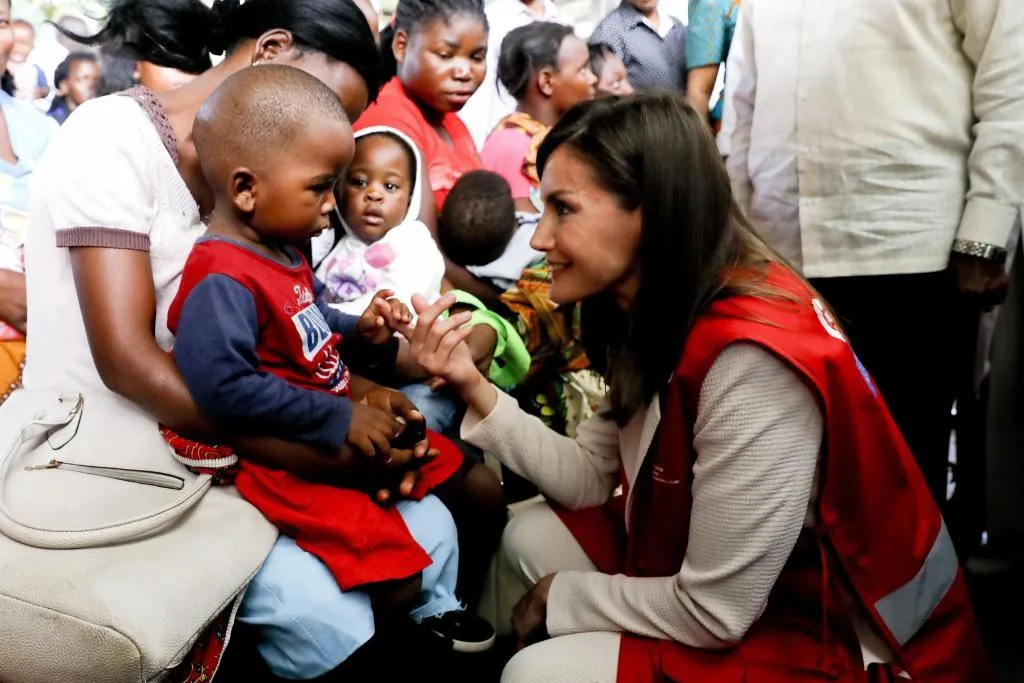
639,225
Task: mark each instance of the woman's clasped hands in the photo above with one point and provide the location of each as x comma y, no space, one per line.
436,342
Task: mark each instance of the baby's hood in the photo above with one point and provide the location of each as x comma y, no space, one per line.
329,244
416,196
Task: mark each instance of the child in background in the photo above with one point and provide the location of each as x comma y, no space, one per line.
261,352
480,230
384,246
483,232
77,80
28,132
29,80
612,78
478,220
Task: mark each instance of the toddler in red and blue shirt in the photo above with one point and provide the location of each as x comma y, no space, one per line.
262,353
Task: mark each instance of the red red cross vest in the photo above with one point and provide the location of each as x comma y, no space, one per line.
879,536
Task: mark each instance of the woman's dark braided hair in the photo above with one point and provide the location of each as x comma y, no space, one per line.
118,72
182,34
413,15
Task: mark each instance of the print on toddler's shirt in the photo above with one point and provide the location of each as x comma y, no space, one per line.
314,335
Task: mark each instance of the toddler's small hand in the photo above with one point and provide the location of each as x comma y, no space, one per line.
405,465
371,430
384,316
396,314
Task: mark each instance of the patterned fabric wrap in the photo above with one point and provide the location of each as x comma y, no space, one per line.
12,363
191,453
537,132
560,388
204,659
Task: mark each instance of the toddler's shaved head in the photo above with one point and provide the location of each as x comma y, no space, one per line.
252,118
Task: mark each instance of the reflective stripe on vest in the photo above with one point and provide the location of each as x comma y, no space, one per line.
906,609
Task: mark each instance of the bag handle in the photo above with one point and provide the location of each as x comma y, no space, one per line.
31,436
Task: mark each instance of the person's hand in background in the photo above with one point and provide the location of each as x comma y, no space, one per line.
981,280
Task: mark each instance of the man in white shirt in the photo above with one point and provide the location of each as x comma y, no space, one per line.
879,145
491,102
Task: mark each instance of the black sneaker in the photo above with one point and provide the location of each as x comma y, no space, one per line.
465,631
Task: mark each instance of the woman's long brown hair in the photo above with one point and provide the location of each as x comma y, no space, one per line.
655,153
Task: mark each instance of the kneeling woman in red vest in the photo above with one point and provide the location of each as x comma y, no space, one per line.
743,508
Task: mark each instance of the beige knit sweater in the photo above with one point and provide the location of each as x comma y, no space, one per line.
758,435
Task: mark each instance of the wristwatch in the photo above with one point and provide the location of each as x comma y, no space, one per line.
982,250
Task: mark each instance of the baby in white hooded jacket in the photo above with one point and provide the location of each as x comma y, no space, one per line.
384,245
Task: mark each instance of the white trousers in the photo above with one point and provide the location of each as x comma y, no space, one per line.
536,544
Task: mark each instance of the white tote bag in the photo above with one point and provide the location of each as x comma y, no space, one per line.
115,561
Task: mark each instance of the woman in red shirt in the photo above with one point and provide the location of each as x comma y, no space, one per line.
436,54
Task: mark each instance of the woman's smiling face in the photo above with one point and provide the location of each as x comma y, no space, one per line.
592,244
